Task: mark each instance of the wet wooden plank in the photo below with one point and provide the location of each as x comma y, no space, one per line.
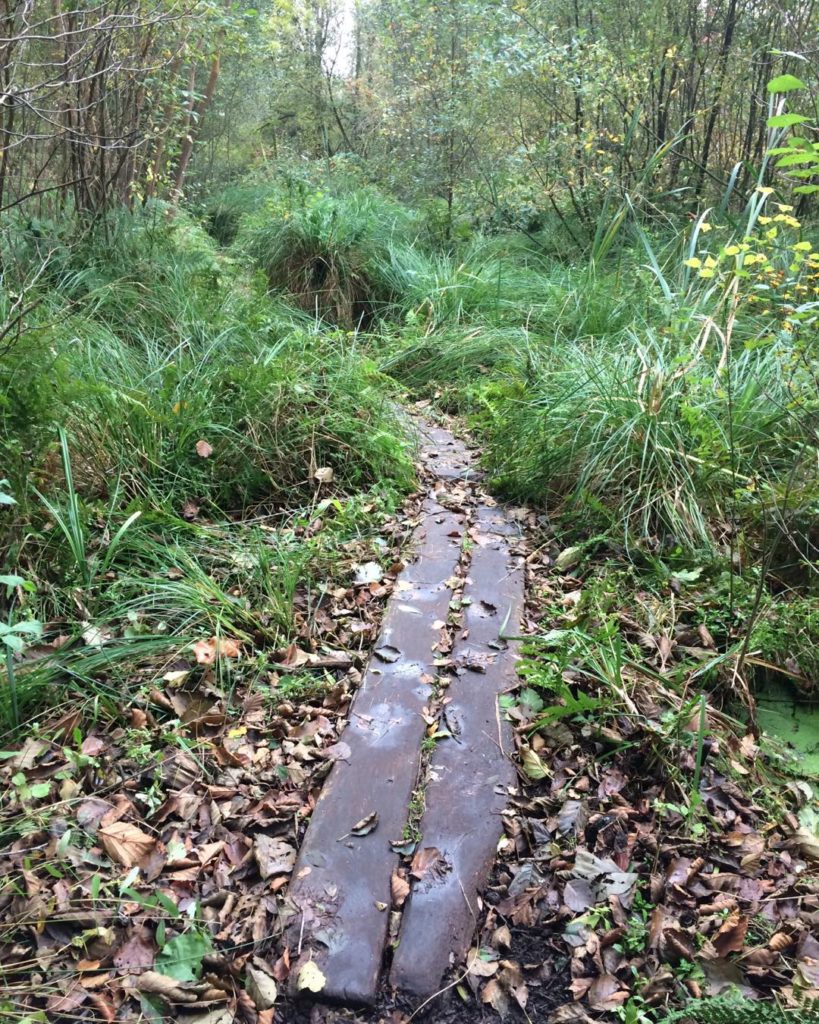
468,774
447,456
340,890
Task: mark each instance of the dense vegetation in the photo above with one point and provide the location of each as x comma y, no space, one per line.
235,239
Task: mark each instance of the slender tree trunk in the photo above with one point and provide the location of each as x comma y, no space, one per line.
722,65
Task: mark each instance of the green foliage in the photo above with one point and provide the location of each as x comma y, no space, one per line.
166,346
325,253
734,1009
181,957
632,428
787,633
155,380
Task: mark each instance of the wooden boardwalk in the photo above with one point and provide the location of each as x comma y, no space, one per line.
340,896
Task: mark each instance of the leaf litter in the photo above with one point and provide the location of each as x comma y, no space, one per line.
146,860
146,873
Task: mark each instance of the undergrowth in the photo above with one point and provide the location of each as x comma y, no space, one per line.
156,400
197,428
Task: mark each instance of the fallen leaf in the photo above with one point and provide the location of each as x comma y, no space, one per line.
366,825
606,878
479,968
125,843
92,745
338,751
425,860
387,653
91,811
568,558
570,1013
174,991
274,856
399,890
578,895
533,766
94,636
206,651
324,475
605,993
261,988
368,572
494,995
67,1002
310,978
292,657
731,936
138,952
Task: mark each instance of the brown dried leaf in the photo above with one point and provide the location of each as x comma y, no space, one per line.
424,861
261,988
605,993
399,890
274,856
138,952
494,995
67,1002
206,651
366,825
183,992
731,936
125,843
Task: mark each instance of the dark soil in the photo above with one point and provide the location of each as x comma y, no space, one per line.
546,971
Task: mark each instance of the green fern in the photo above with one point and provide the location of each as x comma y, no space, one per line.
736,1010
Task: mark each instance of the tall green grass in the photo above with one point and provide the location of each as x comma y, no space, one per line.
327,254
628,431
157,355
158,396
634,395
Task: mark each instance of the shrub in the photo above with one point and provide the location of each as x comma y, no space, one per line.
327,254
630,430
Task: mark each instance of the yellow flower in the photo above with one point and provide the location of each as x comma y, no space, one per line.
765,220
731,250
802,247
706,273
710,261
694,262
705,226
784,207
764,190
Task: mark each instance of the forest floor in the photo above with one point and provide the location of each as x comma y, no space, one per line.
632,873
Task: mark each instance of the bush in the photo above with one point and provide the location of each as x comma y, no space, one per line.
165,345
633,432
326,254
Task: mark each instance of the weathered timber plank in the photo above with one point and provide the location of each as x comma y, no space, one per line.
339,880
446,456
468,773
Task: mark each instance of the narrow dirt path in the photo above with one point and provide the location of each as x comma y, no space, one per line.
388,879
